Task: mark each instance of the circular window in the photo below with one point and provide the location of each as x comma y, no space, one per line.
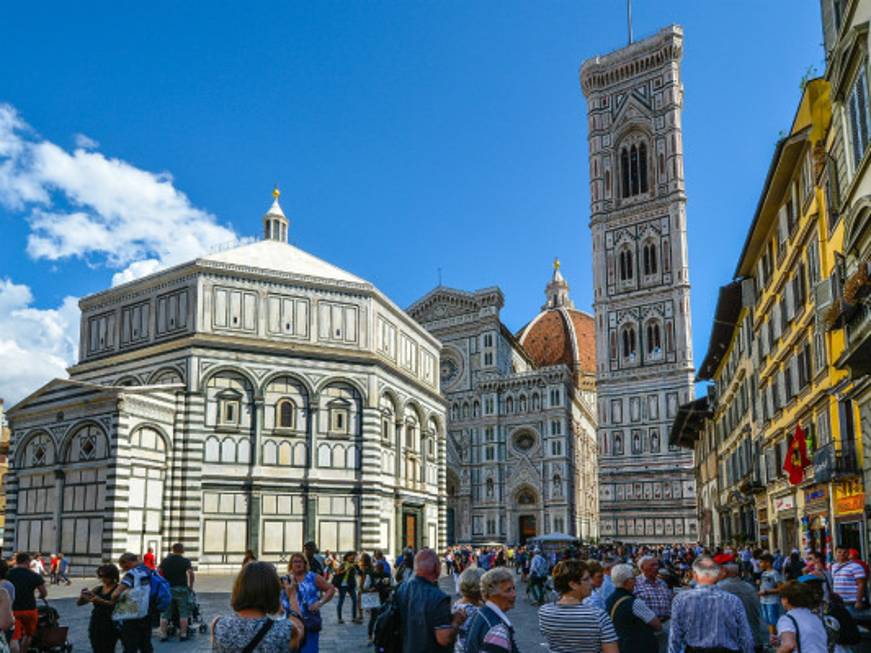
524,441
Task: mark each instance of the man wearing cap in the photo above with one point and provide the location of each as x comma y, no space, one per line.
650,587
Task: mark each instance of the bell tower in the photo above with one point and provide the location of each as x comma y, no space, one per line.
641,288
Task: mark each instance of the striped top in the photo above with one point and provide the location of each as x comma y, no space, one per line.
846,577
575,628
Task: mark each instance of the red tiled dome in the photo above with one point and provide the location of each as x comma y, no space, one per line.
561,336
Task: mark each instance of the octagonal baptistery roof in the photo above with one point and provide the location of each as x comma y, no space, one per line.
267,291
560,334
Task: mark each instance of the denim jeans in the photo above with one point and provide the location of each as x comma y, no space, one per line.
352,592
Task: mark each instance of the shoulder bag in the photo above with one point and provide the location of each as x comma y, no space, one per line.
258,637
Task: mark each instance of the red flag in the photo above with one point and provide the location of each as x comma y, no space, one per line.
796,456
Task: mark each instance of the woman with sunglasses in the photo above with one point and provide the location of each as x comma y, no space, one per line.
102,631
567,624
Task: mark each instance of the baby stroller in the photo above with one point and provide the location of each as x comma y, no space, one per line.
50,636
195,621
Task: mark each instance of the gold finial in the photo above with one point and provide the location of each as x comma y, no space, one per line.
556,263
276,192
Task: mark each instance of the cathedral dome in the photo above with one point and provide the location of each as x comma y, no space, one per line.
561,334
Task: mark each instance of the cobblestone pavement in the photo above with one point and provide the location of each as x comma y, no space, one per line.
214,597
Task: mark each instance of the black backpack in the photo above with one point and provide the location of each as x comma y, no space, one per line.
387,633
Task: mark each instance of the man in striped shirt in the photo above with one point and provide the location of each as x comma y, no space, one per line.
848,579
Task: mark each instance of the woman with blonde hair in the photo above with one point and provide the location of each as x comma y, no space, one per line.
469,603
312,593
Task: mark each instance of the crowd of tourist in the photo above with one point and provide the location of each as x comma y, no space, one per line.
592,599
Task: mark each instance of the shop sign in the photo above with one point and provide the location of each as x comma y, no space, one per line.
784,503
849,497
816,494
824,463
850,504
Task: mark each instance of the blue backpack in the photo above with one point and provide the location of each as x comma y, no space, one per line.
160,594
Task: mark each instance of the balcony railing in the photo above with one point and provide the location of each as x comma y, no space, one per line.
831,462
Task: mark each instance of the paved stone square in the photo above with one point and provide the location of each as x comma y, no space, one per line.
214,597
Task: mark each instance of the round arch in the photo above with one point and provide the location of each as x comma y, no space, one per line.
299,378
65,442
128,381
339,380
163,370
417,409
390,394
204,380
167,441
857,221
21,447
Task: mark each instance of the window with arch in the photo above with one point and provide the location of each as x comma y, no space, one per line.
536,401
88,443
285,414
476,408
521,404
465,410
654,441
633,168
455,411
629,344
649,259
669,337
489,488
654,339
625,261
39,451
509,405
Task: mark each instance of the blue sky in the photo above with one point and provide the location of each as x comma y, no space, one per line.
405,136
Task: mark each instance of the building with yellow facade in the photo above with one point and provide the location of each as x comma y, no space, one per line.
790,253
844,300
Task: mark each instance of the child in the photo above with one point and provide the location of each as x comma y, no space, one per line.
769,591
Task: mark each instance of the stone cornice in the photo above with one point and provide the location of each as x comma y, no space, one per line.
632,61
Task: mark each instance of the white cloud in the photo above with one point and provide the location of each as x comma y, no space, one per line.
85,142
83,204
36,345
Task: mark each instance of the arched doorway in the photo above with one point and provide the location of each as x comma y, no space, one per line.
525,528
526,523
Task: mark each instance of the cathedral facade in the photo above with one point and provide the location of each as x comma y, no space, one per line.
641,288
521,434
254,398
